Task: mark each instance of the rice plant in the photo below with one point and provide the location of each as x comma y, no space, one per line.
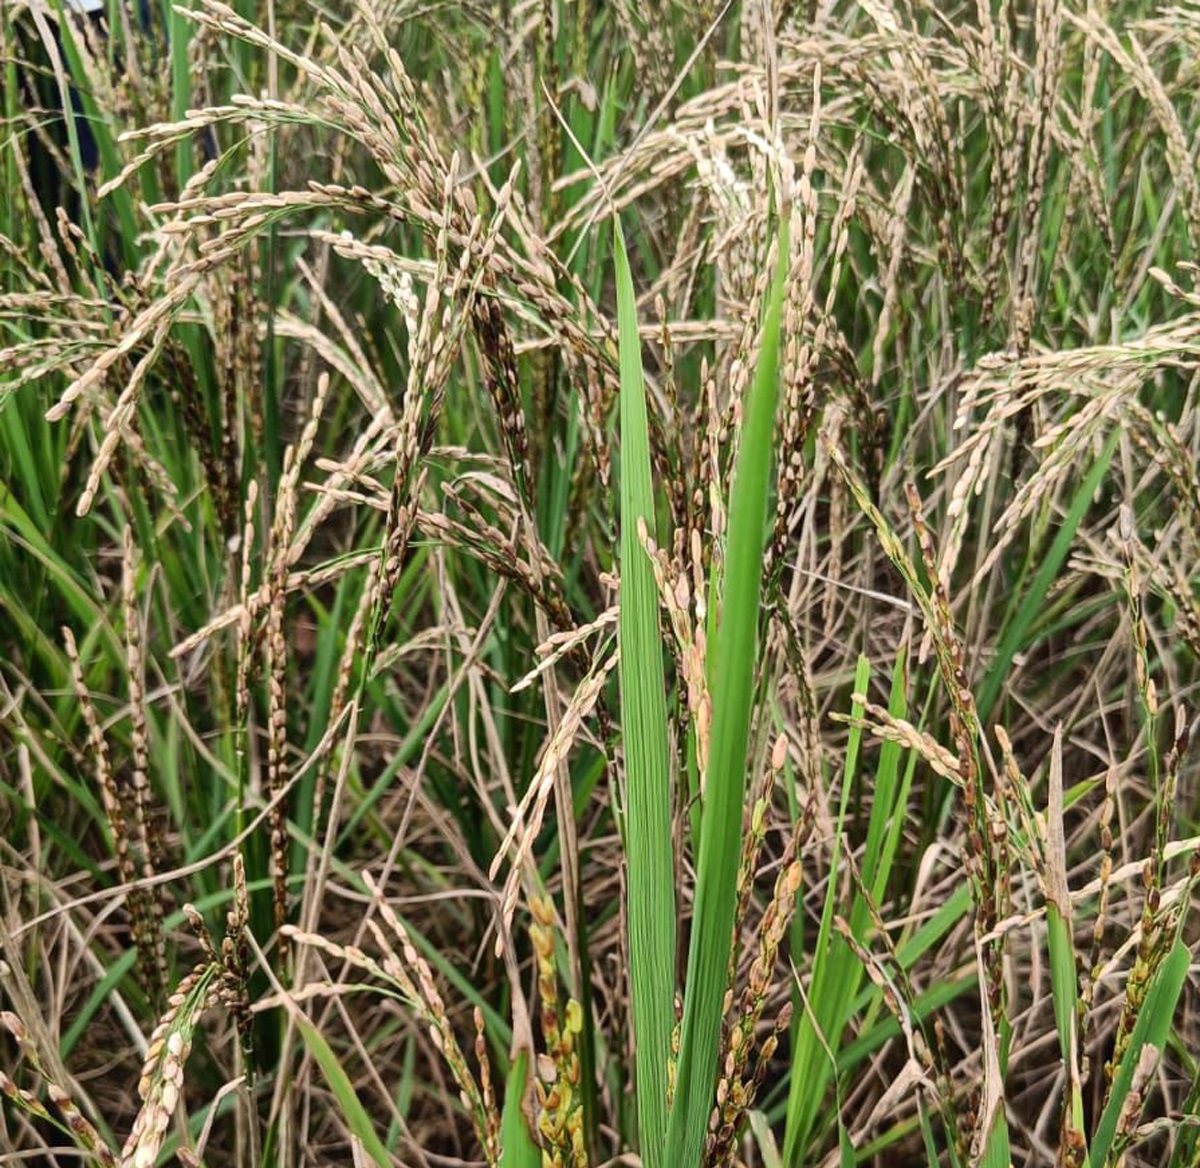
590,584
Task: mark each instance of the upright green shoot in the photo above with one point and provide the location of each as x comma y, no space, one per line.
648,848
1148,1041
721,820
517,1149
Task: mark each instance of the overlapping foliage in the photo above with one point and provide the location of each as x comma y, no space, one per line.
582,581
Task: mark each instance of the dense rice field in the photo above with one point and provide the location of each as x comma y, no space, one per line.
587,583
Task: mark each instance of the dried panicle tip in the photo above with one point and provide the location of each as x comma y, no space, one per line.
14,1026
1126,525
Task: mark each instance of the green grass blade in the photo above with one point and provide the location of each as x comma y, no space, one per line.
998,1153
648,843
352,1110
886,810
1064,990
517,1149
833,964
104,133
1029,607
181,86
852,1052
1152,1029
1059,942
720,826
931,1156
1185,1152
837,969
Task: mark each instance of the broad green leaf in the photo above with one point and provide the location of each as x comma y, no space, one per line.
517,1149
648,843
1152,1028
721,819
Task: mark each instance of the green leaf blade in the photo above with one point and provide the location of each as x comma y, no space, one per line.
720,828
1152,1029
517,1149
343,1090
648,840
